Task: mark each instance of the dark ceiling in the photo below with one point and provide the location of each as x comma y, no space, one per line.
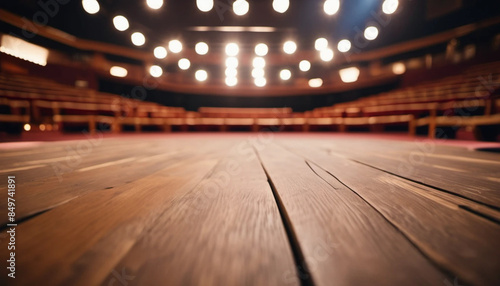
303,22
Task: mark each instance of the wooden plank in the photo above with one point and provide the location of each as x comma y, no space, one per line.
226,231
80,242
457,240
342,239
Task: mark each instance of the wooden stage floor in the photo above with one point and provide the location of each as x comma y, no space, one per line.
251,209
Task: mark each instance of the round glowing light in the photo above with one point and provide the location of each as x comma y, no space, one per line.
138,39
160,52
175,46
231,72
349,75
398,68
331,7
201,48
321,44
118,71
155,71
261,50
155,4
258,73
121,23
281,6
232,62
326,55
390,6
259,62
231,81
260,82
27,127
201,75
304,65
289,47
240,7
91,6
285,74
184,64
315,82
205,5
371,33
344,46
232,49
41,127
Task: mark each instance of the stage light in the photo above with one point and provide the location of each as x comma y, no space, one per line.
184,64
232,49
160,52
201,48
232,62
231,72
390,6
344,46
398,68
315,82
41,127
261,50
371,33
27,127
321,44
118,71
260,82
24,50
331,7
201,75
258,73
205,5
231,81
240,7
91,6
285,74
155,4
138,39
326,55
304,65
289,47
175,46
155,71
281,6
121,23
349,75
259,62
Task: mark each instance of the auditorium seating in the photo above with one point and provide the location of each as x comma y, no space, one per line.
469,99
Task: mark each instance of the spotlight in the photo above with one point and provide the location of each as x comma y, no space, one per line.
205,5
184,64
315,82
232,49
304,65
240,7
289,47
201,75
260,82
331,7
121,23
118,71
91,6
175,46
285,74
201,48
231,81
259,62
27,127
231,72
155,4
371,33
321,44
232,62
281,6
160,52
138,39
398,68
258,73
261,50
344,46
390,6
349,75
326,55
155,71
